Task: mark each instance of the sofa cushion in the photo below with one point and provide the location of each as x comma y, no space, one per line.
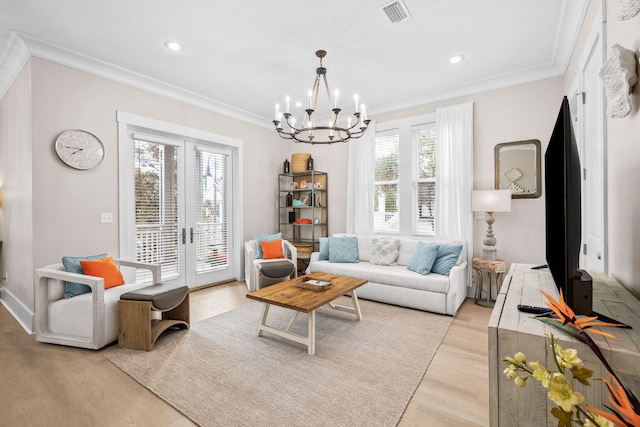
394,275
105,268
72,265
324,249
424,255
272,249
73,316
343,249
446,258
384,251
265,238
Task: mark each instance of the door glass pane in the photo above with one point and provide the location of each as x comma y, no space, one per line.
212,222
156,208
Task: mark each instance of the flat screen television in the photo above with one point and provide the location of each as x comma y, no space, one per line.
563,214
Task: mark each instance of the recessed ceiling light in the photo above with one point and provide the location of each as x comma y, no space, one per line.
457,58
171,45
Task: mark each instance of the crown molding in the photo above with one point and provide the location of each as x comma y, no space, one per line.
12,60
23,46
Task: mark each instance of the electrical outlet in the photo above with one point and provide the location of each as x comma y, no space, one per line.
479,215
106,218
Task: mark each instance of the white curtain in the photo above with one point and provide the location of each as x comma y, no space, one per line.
360,183
454,174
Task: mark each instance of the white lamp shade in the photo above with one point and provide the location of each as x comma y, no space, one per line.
491,201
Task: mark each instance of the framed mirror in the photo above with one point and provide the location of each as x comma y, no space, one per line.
518,168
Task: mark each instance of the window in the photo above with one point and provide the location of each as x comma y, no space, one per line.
405,177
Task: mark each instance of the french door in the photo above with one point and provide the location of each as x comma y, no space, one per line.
182,203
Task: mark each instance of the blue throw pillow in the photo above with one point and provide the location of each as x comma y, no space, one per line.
343,249
423,257
72,265
447,257
265,238
324,249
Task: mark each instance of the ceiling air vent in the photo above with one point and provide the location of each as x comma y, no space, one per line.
396,11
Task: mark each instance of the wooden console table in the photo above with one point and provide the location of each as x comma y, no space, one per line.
511,331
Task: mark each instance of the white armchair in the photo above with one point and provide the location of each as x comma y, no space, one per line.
89,320
289,251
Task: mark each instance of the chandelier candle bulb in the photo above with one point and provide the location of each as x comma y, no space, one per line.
277,112
355,99
287,102
309,103
336,95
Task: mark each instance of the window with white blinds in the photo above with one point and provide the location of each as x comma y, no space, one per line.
385,182
211,234
156,207
425,184
404,188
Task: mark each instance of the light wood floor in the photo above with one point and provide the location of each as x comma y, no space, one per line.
51,385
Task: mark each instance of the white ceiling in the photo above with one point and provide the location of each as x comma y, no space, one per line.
249,54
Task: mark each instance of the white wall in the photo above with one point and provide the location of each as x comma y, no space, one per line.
512,114
623,168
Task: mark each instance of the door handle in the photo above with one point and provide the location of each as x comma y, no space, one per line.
184,236
191,234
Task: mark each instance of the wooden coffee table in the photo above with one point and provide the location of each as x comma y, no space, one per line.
286,294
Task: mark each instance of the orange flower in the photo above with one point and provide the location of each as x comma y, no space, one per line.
566,316
626,414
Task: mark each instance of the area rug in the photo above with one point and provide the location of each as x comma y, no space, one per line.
219,373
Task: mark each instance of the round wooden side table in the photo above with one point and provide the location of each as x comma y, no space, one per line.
495,268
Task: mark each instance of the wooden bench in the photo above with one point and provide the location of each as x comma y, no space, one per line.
137,328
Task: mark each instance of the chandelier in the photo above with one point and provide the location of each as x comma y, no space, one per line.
309,130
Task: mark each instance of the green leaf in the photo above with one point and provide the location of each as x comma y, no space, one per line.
564,418
582,375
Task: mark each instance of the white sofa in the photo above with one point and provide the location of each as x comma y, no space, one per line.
88,320
396,284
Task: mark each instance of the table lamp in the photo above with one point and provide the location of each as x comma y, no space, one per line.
490,201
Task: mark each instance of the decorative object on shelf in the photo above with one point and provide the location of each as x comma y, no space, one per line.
490,201
628,9
303,221
619,76
317,185
624,409
292,217
286,166
303,183
309,130
518,168
79,149
300,202
289,199
299,162
312,199
293,185
310,164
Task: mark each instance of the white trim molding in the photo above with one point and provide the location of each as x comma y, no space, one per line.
12,60
19,311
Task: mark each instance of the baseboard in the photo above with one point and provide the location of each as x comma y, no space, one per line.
22,314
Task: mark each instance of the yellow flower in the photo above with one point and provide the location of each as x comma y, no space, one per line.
520,357
600,422
567,358
521,381
511,372
541,374
562,394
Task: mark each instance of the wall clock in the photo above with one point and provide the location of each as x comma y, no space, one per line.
79,149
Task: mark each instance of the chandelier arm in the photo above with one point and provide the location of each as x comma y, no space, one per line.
309,132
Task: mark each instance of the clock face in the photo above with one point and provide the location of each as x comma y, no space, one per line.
79,149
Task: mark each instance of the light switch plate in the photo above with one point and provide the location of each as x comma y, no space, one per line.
106,218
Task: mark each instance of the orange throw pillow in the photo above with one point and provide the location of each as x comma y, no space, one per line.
105,268
272,250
